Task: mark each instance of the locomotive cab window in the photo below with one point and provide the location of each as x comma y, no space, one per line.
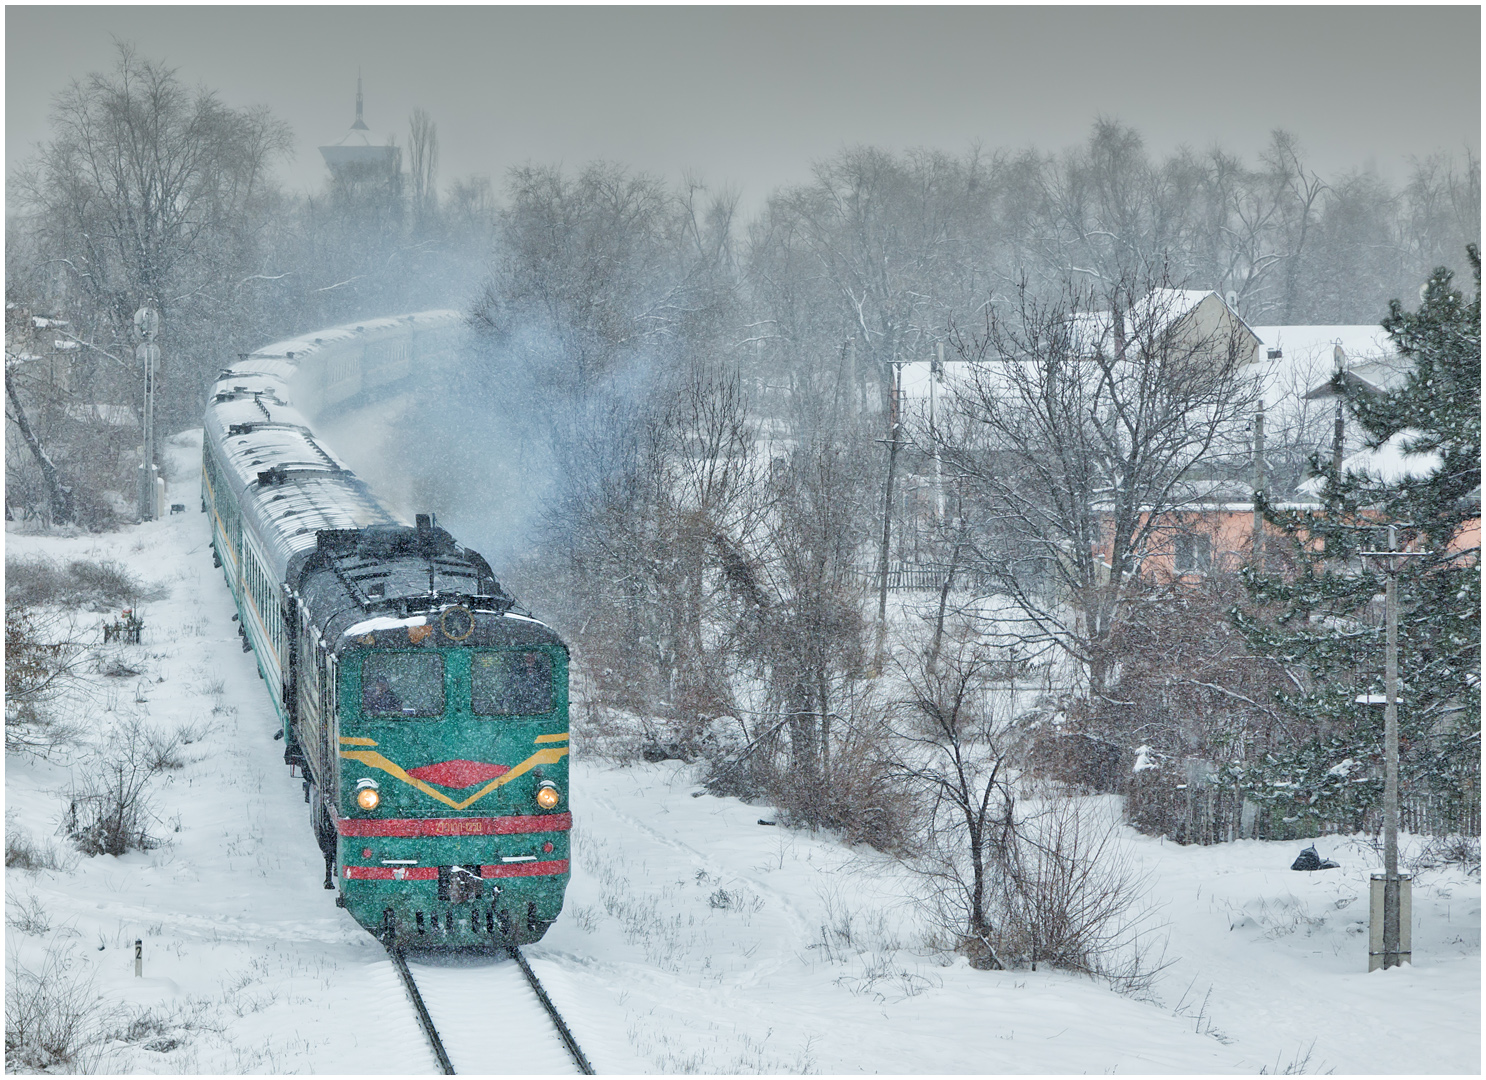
396,685
511,683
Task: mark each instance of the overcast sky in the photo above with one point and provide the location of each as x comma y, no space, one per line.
751,96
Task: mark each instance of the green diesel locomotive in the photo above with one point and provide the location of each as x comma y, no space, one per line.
426,711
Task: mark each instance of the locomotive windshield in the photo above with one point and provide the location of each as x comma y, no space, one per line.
402,684
511,683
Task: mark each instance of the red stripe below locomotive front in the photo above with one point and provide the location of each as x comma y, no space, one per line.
525,869
497,826
430,873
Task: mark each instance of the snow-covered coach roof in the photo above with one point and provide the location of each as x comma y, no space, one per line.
296,351
288,483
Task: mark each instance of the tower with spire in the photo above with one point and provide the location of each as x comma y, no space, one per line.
361,157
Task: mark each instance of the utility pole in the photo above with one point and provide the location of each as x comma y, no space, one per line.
1259,486
887,511
936,373
1390,943
147,352
1339,427
1390,763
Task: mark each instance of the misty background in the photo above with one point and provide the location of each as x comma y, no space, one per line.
623,200
751,97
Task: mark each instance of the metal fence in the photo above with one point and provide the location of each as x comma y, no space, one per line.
925,577
1197,814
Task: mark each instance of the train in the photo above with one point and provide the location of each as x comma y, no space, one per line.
424,708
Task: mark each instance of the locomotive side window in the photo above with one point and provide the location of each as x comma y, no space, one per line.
402,684
511,683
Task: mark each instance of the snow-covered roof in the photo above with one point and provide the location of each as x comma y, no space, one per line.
1150,316
1308,355
1388,463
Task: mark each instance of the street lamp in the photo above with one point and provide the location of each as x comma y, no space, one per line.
1389,940
147,352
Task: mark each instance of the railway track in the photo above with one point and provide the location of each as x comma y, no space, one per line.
487,1013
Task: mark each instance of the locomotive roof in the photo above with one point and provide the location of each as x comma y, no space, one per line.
383,580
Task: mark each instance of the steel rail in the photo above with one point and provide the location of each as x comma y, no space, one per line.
557,1020
424,1020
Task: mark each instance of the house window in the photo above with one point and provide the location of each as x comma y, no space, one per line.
1194,553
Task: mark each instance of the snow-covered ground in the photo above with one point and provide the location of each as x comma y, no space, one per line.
694,939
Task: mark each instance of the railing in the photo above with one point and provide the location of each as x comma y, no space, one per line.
906,577
1208,815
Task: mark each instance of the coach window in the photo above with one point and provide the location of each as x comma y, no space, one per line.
511,683
402,685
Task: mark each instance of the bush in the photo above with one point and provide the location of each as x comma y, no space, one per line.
24,853
1068,889
44,654
109,811
53,1017
82,583
1461,851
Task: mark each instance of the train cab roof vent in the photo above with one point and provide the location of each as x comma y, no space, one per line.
275,475
239,429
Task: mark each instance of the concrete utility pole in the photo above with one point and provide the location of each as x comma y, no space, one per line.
1390,763
887,511
1339,426
935,374
1259,486
1390,943
147,322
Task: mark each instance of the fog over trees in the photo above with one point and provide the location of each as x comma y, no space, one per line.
679,432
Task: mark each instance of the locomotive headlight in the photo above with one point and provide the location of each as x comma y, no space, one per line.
547,796
367,795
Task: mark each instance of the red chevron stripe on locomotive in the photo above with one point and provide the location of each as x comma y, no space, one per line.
430,873
471,826
459,773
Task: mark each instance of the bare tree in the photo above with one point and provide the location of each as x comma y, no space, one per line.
59,495
1080,428
423,163
149,190
1019,875
955,748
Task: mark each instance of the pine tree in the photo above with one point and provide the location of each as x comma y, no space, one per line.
1323,620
